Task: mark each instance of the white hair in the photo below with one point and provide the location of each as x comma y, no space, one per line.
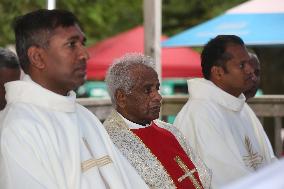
118,74
254,57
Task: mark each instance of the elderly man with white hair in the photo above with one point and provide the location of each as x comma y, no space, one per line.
156,149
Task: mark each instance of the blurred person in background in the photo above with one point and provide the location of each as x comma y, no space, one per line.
9,71
255,64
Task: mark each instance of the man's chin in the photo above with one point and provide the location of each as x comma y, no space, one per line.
79,82
155,115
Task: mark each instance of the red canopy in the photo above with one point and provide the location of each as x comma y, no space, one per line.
176,62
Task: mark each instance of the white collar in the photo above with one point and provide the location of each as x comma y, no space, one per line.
200,88
132,125
28,91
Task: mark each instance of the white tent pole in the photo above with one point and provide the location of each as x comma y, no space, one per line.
152,32
51,4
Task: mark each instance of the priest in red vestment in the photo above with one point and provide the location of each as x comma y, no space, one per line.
156,149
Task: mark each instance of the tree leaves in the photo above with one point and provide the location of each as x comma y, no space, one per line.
103,18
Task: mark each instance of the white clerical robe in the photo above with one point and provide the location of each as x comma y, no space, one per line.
48,141
224,132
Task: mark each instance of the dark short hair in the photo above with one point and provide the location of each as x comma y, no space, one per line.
214,53
8,59
35,29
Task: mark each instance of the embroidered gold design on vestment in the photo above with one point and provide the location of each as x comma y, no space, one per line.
203,172
253,159
88,164
187,173
157,160
141,157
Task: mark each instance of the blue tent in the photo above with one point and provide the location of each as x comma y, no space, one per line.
256,28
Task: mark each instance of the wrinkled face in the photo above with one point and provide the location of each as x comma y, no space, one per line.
256,82
65,60
239,76
143,103
7,75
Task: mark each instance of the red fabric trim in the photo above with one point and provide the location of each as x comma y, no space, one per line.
165,147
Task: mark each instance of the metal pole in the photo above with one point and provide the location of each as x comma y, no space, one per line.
152,31
51,4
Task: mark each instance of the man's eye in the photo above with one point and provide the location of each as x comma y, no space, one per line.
147,90
242,65
72,44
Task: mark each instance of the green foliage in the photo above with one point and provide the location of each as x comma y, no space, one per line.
103,18
9,10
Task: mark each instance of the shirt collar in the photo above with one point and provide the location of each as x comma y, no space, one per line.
206,90
28,91
133,125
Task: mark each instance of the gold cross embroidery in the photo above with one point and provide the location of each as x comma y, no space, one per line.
187,173
88,164
253,159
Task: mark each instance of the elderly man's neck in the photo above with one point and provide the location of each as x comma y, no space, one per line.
134,119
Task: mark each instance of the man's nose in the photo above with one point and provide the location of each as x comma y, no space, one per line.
157,96
251,71
253,77
84,53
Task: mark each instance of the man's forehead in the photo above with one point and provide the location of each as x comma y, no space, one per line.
140,75
232,47
70,32
136,70
238,51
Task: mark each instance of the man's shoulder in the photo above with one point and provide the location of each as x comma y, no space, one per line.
114,121
19,118
198,108
83,111
167,126
247,109
19,111
162,123
199,103
110,118
199,116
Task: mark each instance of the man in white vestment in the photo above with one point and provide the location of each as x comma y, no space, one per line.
48,141
156,149
9,71
216,120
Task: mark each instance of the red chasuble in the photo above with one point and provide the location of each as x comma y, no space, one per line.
167,149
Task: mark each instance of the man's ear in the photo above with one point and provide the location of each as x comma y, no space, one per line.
217,72
120,98
35,55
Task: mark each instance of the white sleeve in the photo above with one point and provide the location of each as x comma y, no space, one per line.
269,177
261,136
